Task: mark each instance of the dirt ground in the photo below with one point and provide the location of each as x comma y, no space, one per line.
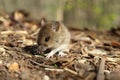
93,55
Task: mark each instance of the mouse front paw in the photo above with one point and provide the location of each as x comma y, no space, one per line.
61,54
49,55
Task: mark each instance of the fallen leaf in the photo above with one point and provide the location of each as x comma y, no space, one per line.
13,67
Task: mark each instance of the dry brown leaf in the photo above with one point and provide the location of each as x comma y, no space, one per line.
13,67
115,44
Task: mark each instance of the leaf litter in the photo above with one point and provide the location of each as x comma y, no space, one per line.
93,55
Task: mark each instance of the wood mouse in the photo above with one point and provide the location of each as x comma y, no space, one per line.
53,35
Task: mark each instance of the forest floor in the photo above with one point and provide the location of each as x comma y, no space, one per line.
93,55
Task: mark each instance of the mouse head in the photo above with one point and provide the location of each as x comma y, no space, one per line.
48,32
53,25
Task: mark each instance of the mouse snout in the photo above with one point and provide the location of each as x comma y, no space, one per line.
43,47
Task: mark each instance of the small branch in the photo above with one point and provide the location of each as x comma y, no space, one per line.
35,33
42,65
58,70
100,75
17,32
71,71
91,76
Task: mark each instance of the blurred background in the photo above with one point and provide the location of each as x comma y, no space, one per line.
92,14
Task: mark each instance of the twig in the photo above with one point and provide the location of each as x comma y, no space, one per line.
70,62
35,33
100,75
71,71
91,76
58,70
17,32
42,65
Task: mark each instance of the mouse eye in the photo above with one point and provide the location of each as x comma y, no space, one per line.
47,39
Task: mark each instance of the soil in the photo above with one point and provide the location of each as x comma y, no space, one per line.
93,55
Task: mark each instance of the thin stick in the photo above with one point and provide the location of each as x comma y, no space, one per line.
17,32
100,75
91,76
42,65
71,71
58,70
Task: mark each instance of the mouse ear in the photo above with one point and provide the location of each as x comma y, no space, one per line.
43,21
56,26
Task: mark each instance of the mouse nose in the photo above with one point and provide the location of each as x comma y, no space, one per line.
43,47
